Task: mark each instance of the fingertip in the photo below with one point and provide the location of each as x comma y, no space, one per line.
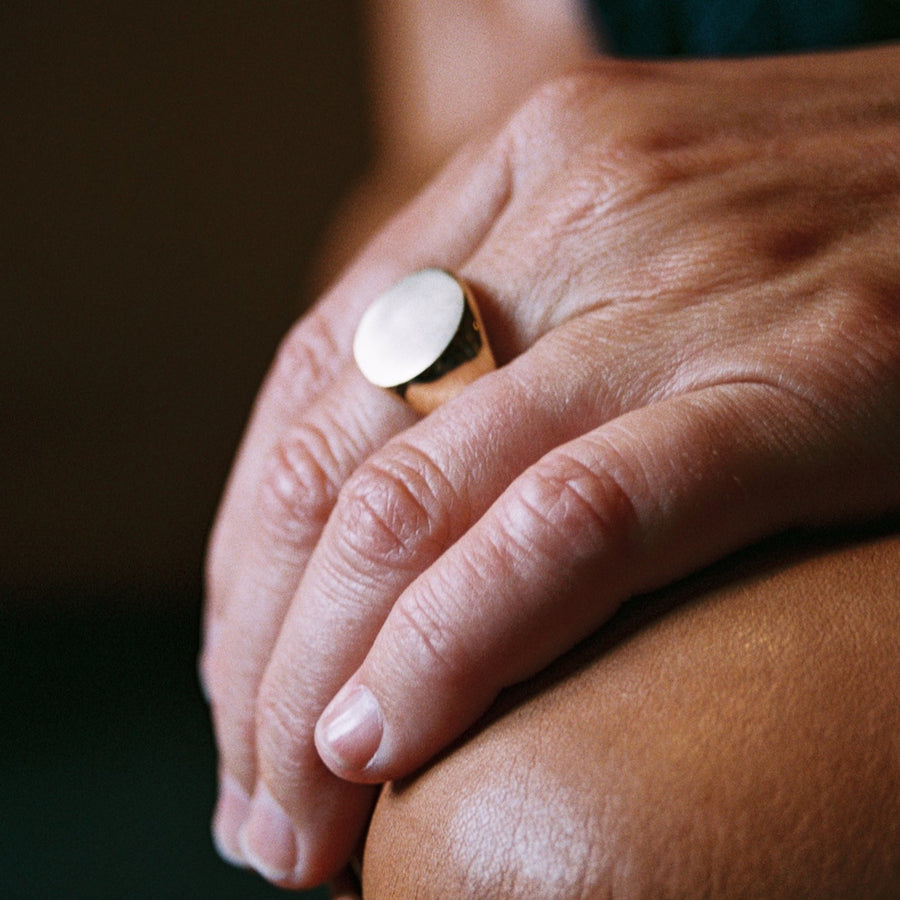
231,812
270,843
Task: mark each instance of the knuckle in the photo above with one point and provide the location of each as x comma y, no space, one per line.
282,733
396,508
547,124
298,486
552,100
558,105
427,631
304,359
604,78
596,126
563,507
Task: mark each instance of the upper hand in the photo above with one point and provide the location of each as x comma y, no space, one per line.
692,274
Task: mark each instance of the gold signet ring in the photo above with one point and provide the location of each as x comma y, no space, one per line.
424,339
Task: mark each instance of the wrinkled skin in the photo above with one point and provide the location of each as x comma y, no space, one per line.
691,276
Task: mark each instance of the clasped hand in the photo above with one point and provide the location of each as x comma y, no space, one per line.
691,276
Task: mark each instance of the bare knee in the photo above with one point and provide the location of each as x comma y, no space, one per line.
741,743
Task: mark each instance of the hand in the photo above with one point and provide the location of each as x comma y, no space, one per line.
692,274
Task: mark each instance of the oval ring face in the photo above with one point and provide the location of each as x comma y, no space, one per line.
408,327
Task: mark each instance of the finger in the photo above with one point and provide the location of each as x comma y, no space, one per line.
394,516
297,489
445,225
442,227
629,507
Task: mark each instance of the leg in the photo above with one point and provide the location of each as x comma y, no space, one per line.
737,735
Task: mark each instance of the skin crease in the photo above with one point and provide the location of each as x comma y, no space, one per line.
690,273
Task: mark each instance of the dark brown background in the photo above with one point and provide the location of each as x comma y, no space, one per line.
166,169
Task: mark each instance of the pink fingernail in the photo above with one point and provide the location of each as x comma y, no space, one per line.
268,839
349,732
231,811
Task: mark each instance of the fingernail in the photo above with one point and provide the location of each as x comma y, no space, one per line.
349,732
268,839
231,811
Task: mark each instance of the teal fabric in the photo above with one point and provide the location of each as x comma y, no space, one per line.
659,28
